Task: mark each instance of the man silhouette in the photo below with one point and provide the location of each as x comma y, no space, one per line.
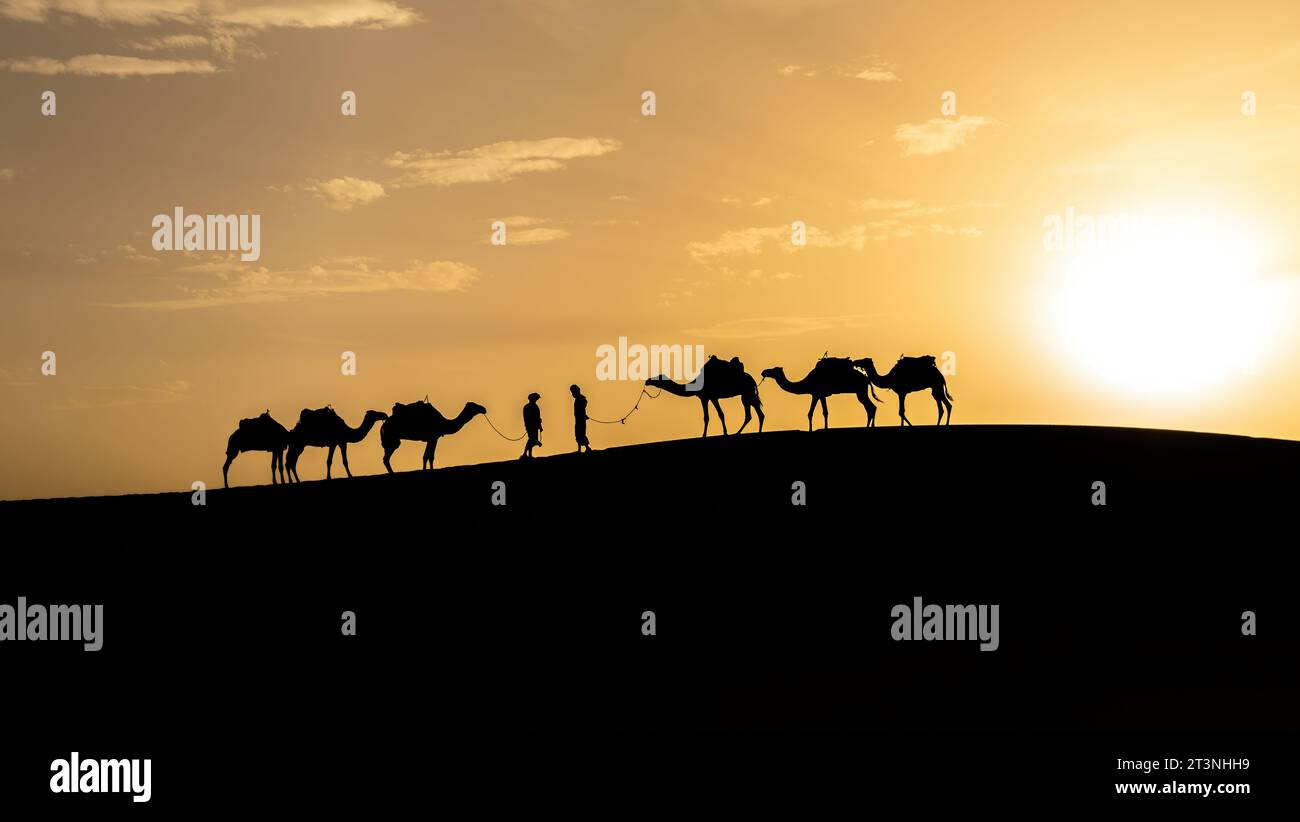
579,418
532,424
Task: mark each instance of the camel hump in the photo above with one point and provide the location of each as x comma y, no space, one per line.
927,361
417,408
833,365
254,422
310,415
731,368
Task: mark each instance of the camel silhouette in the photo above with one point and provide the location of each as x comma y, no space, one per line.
257,434
721,379
912,374
324,428
831,375
422,422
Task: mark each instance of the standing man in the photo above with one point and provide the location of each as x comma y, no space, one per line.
579,418
532,424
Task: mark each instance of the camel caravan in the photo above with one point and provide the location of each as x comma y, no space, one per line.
718,380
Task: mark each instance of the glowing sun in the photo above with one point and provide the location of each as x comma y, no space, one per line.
1160,302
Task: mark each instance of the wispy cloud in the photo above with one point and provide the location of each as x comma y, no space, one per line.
876,204
737,241
11,379
871,69
171,42
370,14
732,199
875,71
225,26
7,174
255,15
130,253
106,65
132,12
894,219
939,135
905,217
757,239
531,231
537,236
497,162
346,193
345,276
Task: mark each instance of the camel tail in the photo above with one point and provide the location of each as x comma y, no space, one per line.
947,393
872,388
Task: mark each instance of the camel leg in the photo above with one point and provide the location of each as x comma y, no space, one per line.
902,414
428,453
343,451
744,401
869,407
329,462
294,453
826,416
279,458
938,403
704,406
273,455
721,417
812,406
390,445
225,469
758,409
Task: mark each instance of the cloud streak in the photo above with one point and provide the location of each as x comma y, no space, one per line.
346,193
106,65
222,25
872,70
374,14
496,162
938,136
348,276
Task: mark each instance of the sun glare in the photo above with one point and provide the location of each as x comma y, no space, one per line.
1163,302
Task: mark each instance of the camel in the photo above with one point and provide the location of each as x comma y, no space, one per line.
830,376
720,380
257,434
324,428
912,374
422,422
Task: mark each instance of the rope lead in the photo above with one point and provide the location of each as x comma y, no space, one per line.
621,420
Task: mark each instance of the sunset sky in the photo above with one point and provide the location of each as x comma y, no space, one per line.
926,227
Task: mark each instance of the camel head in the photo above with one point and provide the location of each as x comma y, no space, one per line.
659,380
472,409
865,364
376,416
773,373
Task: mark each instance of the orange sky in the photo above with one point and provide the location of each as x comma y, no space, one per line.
925,226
